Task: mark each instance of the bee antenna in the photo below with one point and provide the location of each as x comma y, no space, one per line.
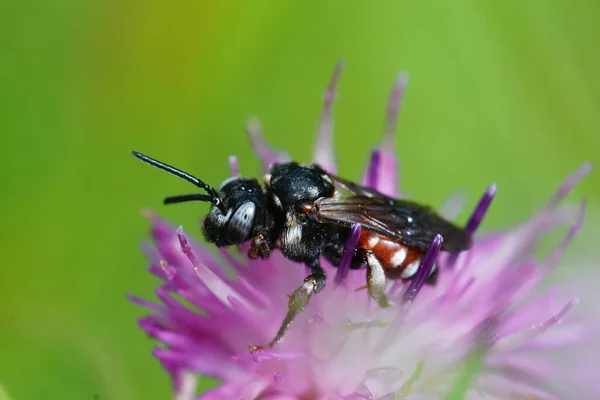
212,196
188,197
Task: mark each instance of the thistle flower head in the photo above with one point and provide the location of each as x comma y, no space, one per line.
486,311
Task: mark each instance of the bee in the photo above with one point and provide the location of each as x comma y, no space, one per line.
307,213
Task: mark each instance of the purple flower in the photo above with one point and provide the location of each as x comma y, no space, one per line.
487,310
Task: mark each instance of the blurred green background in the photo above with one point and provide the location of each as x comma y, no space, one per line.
500,91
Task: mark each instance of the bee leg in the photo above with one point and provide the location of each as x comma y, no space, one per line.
317,276
298,301
432,279
376,280
259,247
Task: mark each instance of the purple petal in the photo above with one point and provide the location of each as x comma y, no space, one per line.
424,270
180,315
233,165
231,260
149,305
382,172
323,150
262,299
280,397
263,151
481,209
173,339
208,363
393,109
555,256
164,271
210,279
476,218
168,246
248,387
532,312
371,178
187,387
348,253
174,369
527,334
453,205
363,392
572,180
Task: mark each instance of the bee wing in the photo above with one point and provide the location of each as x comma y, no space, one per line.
408,222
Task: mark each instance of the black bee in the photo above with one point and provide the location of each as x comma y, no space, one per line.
306,212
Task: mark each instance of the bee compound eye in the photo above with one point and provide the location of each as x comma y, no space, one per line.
241,223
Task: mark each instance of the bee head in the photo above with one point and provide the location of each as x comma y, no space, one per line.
238,206
242,212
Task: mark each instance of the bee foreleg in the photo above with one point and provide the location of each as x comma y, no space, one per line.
376,280
259,247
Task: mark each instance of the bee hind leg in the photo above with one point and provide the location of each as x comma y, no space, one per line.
433,276
376,280
298,301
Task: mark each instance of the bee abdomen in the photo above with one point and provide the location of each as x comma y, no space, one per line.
398,260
